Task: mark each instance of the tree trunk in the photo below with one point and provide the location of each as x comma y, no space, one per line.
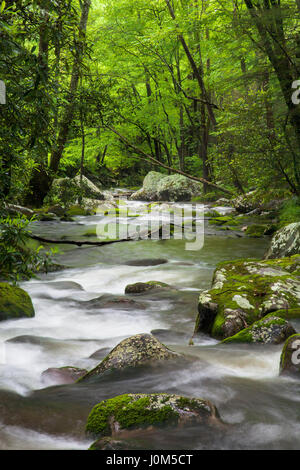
70,108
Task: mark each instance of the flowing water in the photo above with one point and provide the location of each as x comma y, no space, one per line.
261,408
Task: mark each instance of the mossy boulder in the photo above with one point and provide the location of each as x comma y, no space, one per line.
290,357
149,190
285,242
47,217
245,291
246,202
76,210
270,330
129,412
256,230
177,188
14,303
135,351
142,287
160,187
225,220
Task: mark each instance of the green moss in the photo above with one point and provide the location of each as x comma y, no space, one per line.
256,230
290,212
254,288
246,335
129,412
212,213
288,314
221,220
14,302
76,210
91,232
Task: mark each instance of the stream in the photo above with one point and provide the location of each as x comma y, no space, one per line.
79,312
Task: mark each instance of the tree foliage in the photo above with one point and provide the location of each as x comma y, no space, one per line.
201,87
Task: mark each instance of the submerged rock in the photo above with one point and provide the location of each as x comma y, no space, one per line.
125,413
62,375
141,287
270,330
14,303
245,291
290,357
133,352
285,242
106,301
145,262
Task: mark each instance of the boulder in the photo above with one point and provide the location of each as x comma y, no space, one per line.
149,190
285,242
177,188
135,351
256,230
245,291
290,357
270,330
14,303
131,412
159,187
62,375
141,287
70,189
245,202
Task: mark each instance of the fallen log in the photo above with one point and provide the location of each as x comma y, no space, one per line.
84,242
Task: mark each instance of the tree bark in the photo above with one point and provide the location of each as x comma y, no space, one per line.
70,108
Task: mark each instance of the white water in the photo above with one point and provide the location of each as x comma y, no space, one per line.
242,381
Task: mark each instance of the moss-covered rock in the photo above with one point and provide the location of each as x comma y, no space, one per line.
290,357
160,187
141,411
141,287
177,188
246,202
285,242
14,303
288,313
47,217
245,291
149,190
256,230
225,220
133,352
70,188
270,330
76,210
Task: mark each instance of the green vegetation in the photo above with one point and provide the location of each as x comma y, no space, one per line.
203,90
290,212
20,259
14,303
129,411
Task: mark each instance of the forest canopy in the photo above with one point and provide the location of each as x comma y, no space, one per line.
115,89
